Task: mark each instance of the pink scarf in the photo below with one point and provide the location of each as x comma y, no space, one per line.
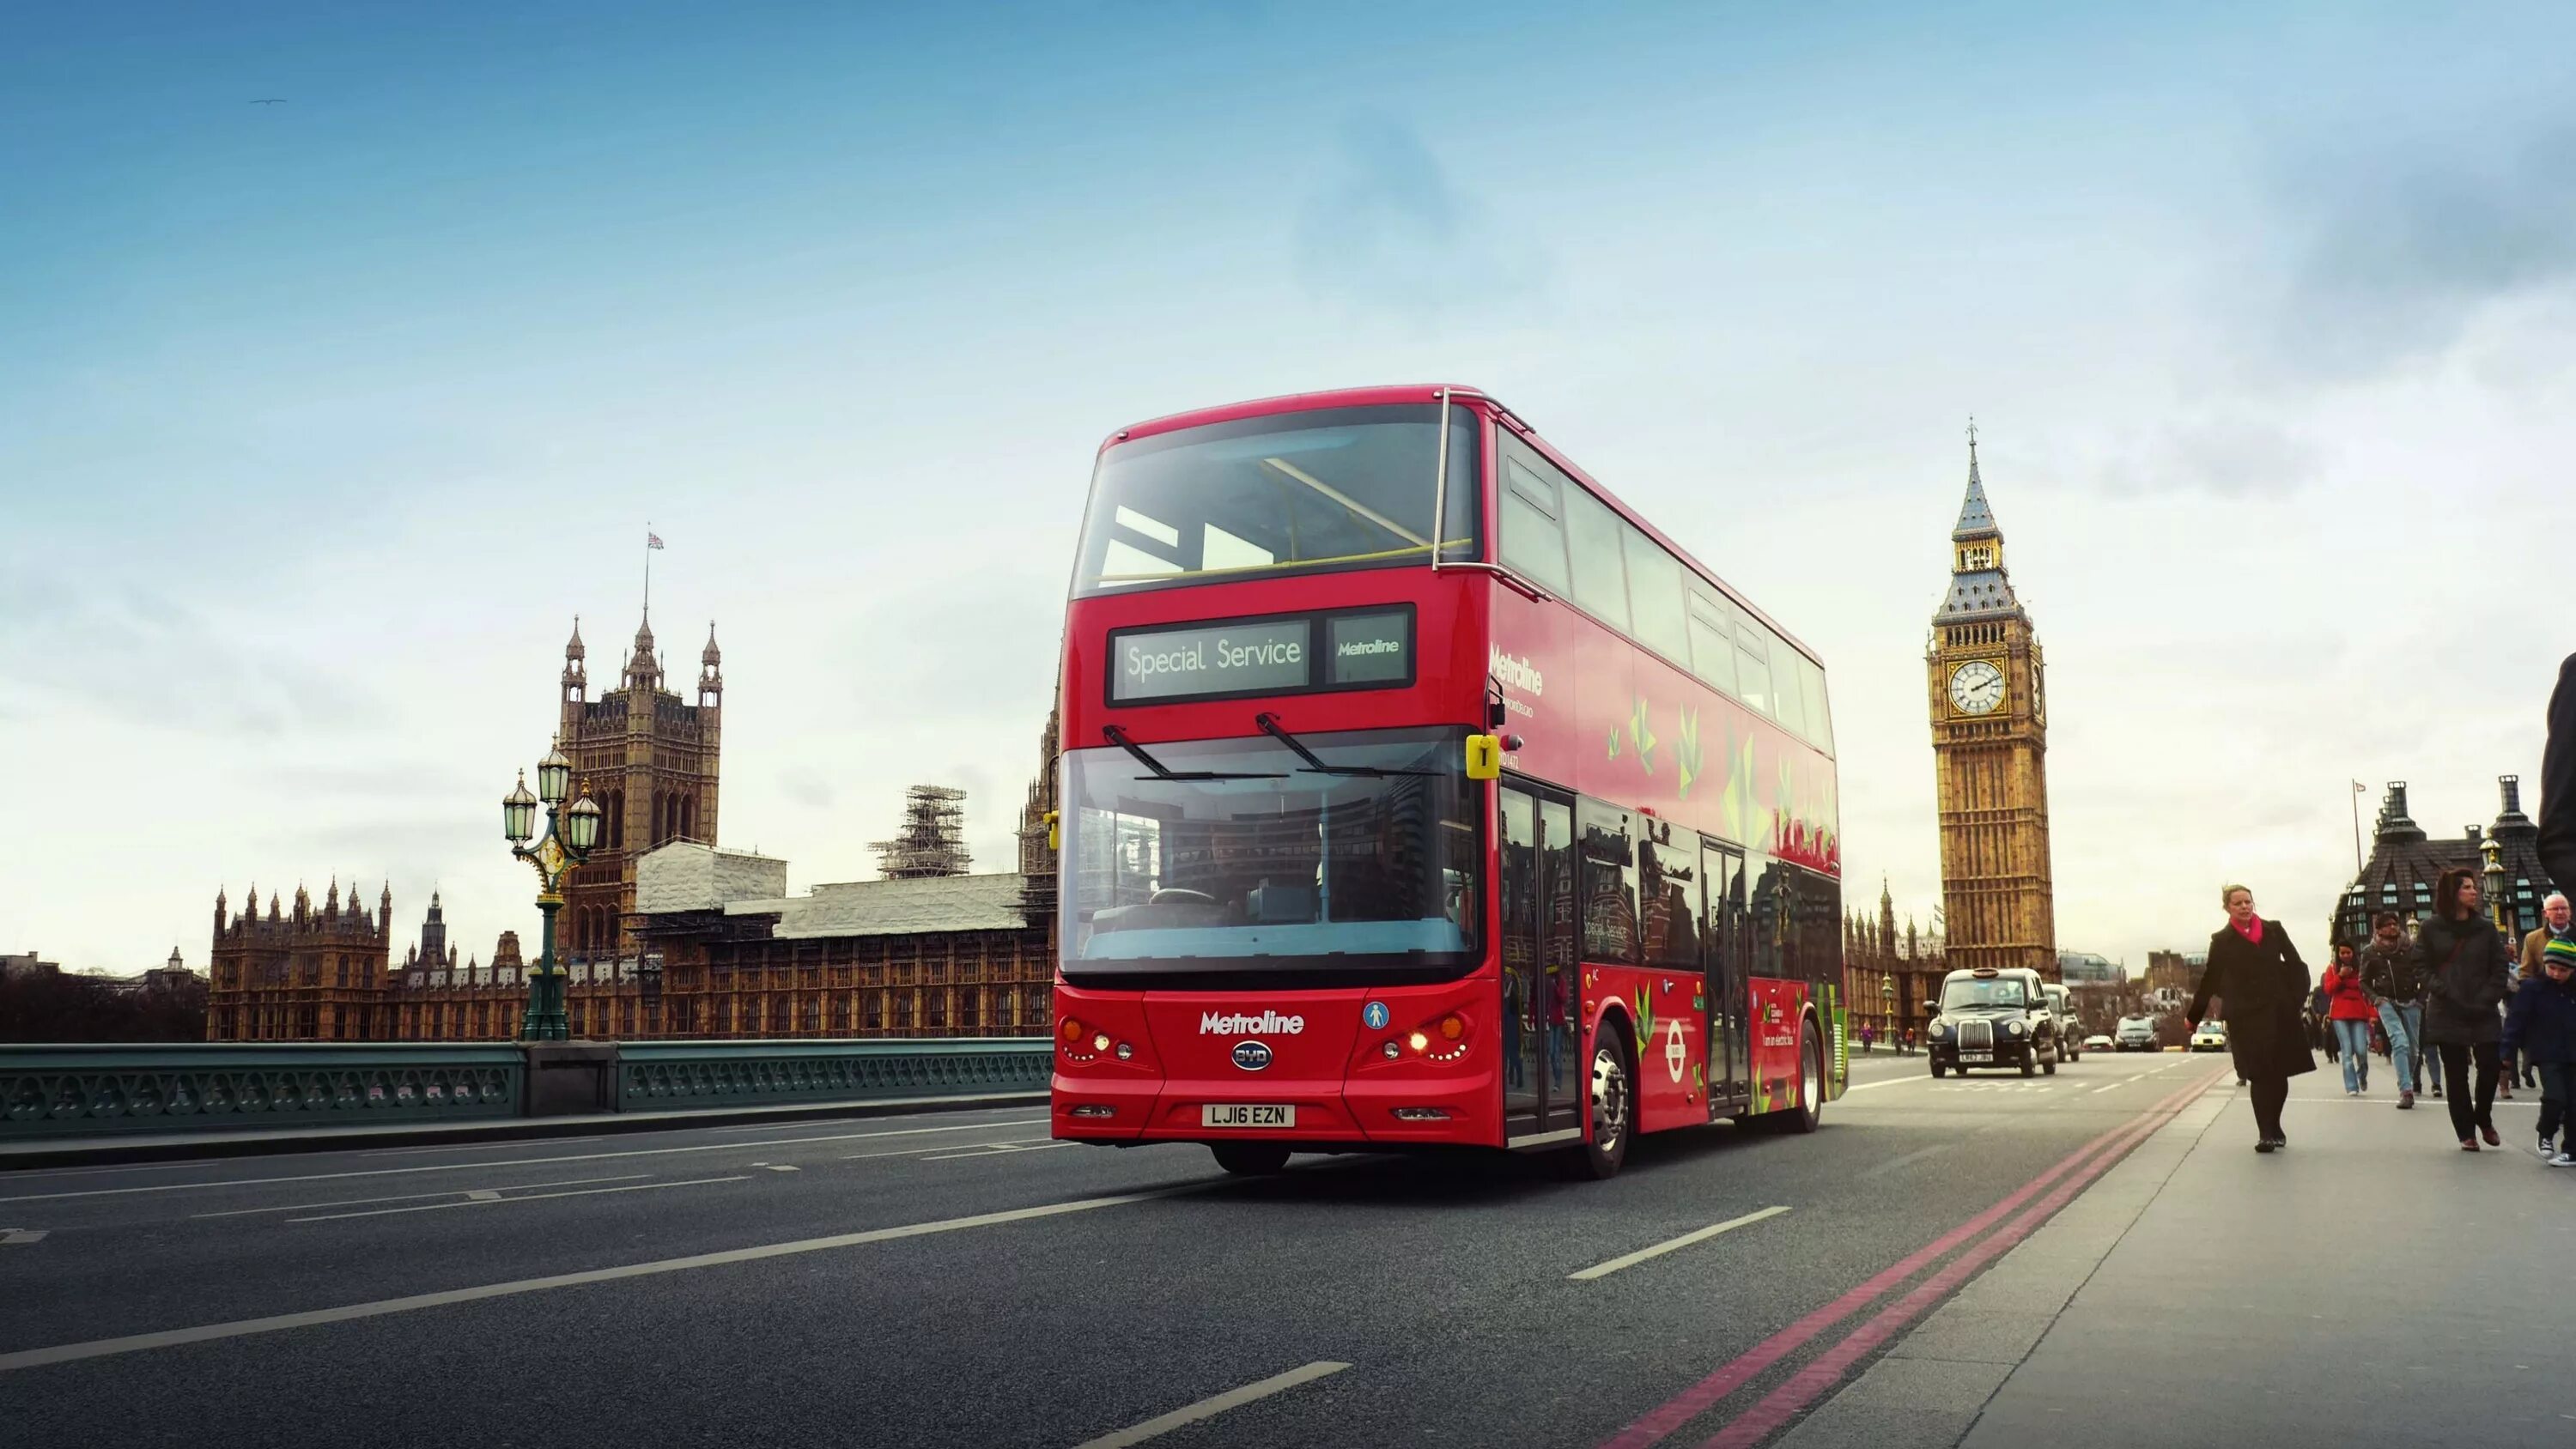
2252,930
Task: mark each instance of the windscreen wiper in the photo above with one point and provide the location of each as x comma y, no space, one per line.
1118,737
1270,726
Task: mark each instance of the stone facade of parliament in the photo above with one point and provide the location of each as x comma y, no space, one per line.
1888,974
1990,744
663,934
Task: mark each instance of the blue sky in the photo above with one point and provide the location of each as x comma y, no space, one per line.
319,421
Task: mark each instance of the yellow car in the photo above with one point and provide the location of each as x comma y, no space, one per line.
2210,1036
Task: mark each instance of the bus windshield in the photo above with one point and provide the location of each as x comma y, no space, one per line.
1265,862
1338,488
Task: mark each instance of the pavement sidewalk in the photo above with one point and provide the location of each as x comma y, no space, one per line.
2372,1285
127,1147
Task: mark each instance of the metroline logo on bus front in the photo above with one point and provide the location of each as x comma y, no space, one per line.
1219,1023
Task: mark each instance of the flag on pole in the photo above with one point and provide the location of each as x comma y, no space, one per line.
652,540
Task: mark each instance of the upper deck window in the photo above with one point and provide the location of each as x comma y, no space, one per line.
1340,488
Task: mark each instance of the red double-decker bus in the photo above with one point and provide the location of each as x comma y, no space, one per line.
1416,792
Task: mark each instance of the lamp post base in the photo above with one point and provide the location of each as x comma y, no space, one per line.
546,1019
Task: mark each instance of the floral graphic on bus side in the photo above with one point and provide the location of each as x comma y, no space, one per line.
1642,734
1686,759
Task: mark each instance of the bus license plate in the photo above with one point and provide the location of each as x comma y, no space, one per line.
1246,1114
1976,1056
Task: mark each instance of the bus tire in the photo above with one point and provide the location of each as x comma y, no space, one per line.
1250,1159
1810,1111
1611,1103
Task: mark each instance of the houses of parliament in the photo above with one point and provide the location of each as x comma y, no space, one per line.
716,948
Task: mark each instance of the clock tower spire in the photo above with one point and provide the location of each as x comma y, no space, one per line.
1990,751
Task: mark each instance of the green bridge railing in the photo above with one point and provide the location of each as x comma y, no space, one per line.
90,1089
664,1075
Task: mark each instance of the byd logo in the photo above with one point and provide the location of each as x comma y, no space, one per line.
1252,1056
1236,1023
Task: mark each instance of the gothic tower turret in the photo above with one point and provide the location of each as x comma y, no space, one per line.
649,758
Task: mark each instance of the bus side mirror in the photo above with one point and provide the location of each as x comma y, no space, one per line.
1484,757
1055,832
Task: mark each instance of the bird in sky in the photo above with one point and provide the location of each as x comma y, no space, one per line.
271,101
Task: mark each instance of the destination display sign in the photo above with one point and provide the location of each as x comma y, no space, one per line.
1301,653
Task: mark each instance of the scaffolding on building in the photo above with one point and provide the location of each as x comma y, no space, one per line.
932,838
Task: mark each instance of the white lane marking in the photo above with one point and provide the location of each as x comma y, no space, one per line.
779,1166
519,1162
476,1194
1893,1163
21,1237
1630,1260
486,1199
1000,1149
1211,1407
172,1338
1890,1082
474,1146
916,1152
300,1207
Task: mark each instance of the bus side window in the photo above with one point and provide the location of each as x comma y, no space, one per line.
1533,539
1752,668
1669,877
1655,596
1820,720
1609,885
1592,541
1712,638
1788,703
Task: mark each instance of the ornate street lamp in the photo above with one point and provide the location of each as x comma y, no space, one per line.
2497,905
569,836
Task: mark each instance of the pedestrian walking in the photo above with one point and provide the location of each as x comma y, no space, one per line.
2542,1023
2556,924
2398,983
2557,843
2348,1013
2467,958
2258,980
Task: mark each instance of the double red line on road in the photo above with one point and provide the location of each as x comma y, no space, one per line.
2079,1168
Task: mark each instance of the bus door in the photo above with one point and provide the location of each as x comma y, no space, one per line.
1726,937
1542,988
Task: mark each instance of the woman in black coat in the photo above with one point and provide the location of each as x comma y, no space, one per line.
2259,981
2465,956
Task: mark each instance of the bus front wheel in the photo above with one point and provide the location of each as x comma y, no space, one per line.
1250,1159
1613,1107
1810,1111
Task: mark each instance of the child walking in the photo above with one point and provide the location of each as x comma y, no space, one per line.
2542,1022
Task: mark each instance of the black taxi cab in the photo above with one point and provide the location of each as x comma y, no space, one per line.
1993,1017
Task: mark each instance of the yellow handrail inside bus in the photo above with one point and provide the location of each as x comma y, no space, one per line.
1352,505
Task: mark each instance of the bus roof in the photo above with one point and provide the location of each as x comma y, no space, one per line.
1429,392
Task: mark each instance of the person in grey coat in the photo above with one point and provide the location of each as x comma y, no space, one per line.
2466,956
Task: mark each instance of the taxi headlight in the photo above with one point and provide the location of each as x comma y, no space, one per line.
1940,1028
2015,1027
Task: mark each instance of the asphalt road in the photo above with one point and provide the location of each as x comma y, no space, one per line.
957,1279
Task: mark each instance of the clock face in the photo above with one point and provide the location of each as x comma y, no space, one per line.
1977,687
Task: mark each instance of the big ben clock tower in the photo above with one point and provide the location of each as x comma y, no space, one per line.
1990,745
